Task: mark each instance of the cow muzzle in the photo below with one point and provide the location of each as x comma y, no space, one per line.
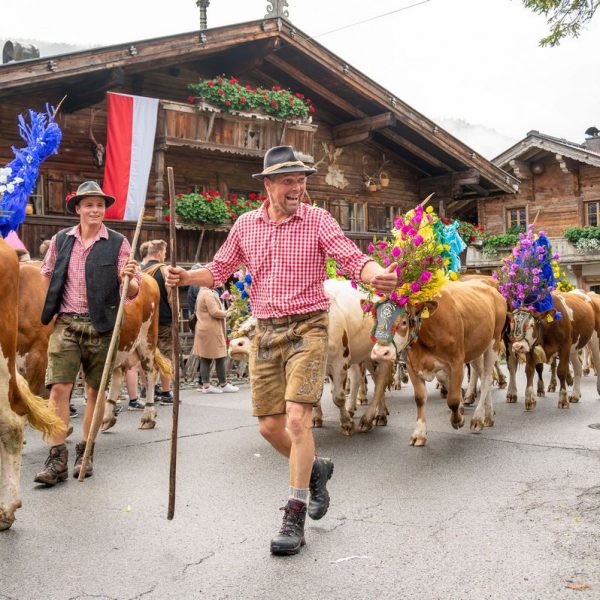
520,347
383,353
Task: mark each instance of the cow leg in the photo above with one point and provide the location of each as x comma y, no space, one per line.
530,400
355,376
511,362
362,393
474,374
457,416
419,435
11,447
499,376
539,369
594,350
553,380
484,413
114,389
576,362
317,415
338,385
377,410
150,370
562,372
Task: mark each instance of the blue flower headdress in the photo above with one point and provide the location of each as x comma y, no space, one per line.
18,179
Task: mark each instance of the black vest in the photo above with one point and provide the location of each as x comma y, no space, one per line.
101,279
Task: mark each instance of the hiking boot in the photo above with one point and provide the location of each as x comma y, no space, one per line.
56,467
89,468
166,398
135,405
73,411
322,470
291,535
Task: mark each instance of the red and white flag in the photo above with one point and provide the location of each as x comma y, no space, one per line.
131,127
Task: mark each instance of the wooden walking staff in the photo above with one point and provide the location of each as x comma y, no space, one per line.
175,312
101,399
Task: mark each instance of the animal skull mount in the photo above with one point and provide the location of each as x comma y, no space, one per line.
98,150
335,176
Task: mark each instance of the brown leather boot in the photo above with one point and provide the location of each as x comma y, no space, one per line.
56,467
89,468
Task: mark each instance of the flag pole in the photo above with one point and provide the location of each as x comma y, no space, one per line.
175,334
101,399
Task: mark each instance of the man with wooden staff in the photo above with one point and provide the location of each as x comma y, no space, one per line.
285,245
85,266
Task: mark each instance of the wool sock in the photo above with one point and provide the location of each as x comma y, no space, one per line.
299,494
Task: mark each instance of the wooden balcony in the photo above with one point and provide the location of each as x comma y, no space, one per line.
205,127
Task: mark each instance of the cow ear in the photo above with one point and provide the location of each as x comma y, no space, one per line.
425,309
547,315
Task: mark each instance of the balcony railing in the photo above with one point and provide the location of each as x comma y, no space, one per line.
568,253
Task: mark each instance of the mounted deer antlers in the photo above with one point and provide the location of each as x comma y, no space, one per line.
335,176
98,150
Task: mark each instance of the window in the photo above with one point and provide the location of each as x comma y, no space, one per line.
37,197
516,217
339,209
392,213
592,212
377,218
356,216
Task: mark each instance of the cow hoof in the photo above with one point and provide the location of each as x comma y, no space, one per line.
365,425
511,398
586,372
348,428
362,401
530,405
488,422
108,423
147,424
563,404
541,394
417,440
457,424
501,385
381,421
6,522
573,399
317,423
476,425
468,400
69,430
551,389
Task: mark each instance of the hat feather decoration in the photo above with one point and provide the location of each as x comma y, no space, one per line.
42,137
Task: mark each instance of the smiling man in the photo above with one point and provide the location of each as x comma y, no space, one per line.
84,266
285,244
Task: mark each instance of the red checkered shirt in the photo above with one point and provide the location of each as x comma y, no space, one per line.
287,260
74,298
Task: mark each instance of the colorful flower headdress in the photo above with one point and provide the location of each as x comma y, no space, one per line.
526,276
424,259
18,179
239,298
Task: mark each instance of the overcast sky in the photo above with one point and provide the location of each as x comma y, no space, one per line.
471,60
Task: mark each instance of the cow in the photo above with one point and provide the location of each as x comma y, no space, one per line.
539,337
349,345
138,337
17,402
463,324
593,345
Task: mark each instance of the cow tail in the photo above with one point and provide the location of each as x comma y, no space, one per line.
40,417
162,363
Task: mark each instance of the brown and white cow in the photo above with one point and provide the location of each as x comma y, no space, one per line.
16,400
539,337
349,346
464,325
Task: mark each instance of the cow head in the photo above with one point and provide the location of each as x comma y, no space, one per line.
525,328
239,346
396,327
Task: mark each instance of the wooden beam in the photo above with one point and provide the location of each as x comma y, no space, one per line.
302,78
521,169
347,133
562,163
414,149
94,90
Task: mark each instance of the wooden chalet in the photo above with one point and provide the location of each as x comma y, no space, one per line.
560,185
359,130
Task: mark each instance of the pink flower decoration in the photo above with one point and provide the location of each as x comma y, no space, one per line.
383,245
396,252
425,276
353,284
402,300
371,248
225,295
394,297
415,287
417,240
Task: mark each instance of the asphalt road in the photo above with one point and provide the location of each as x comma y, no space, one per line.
511,513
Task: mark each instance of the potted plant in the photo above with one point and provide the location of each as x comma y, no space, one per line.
229,95
238,204
201,208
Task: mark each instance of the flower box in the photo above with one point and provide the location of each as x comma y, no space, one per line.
204,126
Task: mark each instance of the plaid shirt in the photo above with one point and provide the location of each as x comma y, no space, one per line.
74,298
287,260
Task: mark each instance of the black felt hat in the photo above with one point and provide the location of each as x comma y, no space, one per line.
282,159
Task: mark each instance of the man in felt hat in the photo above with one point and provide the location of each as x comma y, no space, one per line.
85,266
284,245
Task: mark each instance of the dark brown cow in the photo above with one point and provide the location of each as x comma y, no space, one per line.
464,325
539,338
16,400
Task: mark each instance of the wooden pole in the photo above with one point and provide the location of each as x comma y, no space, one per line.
175,312
101,399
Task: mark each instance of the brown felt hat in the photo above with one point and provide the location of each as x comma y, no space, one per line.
86,190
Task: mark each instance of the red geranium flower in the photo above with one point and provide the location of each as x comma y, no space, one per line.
221,92
191,99
227,102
